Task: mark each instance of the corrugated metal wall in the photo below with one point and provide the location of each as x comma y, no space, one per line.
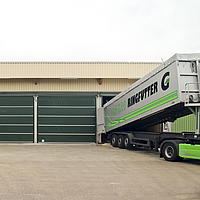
78,70
108,85
185,124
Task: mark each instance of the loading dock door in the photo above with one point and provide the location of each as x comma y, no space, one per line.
66,119
16,119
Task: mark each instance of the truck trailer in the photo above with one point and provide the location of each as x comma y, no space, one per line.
170,91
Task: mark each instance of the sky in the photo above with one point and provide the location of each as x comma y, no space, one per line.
98,30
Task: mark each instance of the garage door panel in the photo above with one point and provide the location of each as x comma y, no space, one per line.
67,101
67,138
16,129
65,129
16,101
66,111
17,119
67,120
16,137
16,110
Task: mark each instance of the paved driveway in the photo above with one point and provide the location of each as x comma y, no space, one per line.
89,172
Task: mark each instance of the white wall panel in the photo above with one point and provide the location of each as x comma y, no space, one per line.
78,70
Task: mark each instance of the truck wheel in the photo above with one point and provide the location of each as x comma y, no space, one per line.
113,140
120,141
127,143
180,158
169,152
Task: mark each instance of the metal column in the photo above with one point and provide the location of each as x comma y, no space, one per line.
35,119
98,105
197,131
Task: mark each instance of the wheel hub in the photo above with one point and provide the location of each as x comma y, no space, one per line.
120,141
113,140
126,141
169,151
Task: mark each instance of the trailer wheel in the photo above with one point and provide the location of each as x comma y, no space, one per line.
113,140
127,143
169,152
120,141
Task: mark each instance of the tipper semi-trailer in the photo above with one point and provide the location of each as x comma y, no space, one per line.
170,91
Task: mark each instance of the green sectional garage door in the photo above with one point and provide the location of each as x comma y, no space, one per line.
66,119
16,119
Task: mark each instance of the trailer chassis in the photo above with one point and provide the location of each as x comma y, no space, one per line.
172,146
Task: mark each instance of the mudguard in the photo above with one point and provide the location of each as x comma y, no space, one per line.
189,151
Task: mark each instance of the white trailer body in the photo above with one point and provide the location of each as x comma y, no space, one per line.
164,94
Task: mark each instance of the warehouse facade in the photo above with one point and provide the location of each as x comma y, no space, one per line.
57,102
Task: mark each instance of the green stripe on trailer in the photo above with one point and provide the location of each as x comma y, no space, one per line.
155,104
189,151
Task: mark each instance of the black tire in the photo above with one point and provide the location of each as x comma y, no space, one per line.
127,144
120,141
180,158
169,152
113,140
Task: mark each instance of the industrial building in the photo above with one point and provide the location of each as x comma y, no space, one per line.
57,102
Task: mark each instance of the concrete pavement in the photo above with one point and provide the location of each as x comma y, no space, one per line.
90,171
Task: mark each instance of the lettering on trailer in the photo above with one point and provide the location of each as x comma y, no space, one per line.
148,91
119,108
165,81
143,94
